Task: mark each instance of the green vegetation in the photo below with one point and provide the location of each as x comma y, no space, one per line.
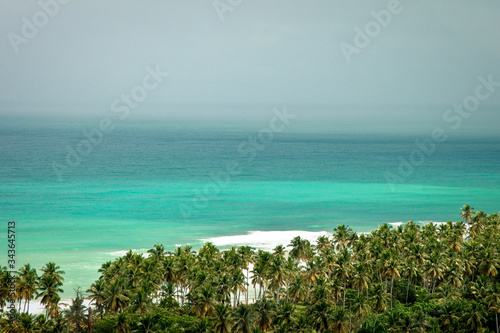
406,279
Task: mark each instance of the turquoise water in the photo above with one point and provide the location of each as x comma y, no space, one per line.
141,185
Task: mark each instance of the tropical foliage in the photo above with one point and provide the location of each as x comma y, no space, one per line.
412,278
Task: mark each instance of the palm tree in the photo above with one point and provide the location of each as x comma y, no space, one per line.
323,244
209,252
343,269
298,289
336,288
265,310
277,275
320,292
122,324
313,271
301,249
157,252
467,213
434,269
476,317
53,270
97,295
342,236
285,314
5,282
448,317
478,224
488,262
361,277
49,289
291,271
259,272
398,323
238,285
115,297
340,322
360,308
222,319
58,325
140,300
243,319
493,302
456,240
147,324
392,271
247,257
321,316
28,284
379,300
75,315
280,251
421,322
26,322
302,326
201,326
41,323
203,301
412,273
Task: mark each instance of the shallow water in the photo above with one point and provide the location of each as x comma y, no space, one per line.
146,184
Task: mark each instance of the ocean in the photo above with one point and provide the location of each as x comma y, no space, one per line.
82,194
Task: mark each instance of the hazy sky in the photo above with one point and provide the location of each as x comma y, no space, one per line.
276,52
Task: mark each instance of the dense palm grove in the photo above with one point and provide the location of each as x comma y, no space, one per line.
405,279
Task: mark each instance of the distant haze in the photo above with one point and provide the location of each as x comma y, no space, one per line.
263,54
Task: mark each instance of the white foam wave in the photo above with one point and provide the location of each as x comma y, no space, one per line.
397,224
121,253
266,240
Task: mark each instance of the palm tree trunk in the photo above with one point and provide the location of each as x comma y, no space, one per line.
392,284
496,319
375,325
248,288
408,289
350,322
345,287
